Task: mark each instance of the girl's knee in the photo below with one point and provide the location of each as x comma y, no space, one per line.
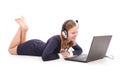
12,51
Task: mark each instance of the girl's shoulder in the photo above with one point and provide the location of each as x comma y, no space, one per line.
56,37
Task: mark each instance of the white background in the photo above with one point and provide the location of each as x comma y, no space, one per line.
45,18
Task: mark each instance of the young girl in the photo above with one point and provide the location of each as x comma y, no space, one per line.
57,44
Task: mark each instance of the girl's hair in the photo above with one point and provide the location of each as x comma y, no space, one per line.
67,25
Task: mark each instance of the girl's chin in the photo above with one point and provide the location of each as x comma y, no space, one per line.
73,39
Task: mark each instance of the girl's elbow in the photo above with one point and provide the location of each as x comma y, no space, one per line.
44,58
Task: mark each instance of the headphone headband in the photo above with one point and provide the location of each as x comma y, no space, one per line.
63,26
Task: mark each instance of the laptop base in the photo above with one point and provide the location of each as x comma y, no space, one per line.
79,58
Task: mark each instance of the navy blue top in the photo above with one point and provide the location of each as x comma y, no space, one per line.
48,50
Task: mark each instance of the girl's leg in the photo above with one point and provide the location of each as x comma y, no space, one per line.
19,37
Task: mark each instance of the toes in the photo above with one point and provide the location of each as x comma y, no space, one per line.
22,18
17,20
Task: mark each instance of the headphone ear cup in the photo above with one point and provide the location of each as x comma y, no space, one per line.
64,34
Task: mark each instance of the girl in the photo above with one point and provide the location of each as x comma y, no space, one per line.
57,44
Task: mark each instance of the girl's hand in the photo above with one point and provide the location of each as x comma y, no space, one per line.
65,54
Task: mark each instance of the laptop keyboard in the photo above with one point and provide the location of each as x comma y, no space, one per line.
81,57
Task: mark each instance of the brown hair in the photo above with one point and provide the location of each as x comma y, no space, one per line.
67,25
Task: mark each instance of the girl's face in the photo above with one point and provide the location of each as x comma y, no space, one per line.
72,33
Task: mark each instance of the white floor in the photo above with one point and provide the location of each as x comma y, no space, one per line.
14,67
25,67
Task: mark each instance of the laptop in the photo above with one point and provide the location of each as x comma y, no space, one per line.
97,50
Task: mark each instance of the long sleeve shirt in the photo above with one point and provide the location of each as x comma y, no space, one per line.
53,46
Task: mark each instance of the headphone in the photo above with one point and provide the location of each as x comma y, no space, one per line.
64,30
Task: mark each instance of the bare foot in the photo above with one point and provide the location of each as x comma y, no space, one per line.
22,24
